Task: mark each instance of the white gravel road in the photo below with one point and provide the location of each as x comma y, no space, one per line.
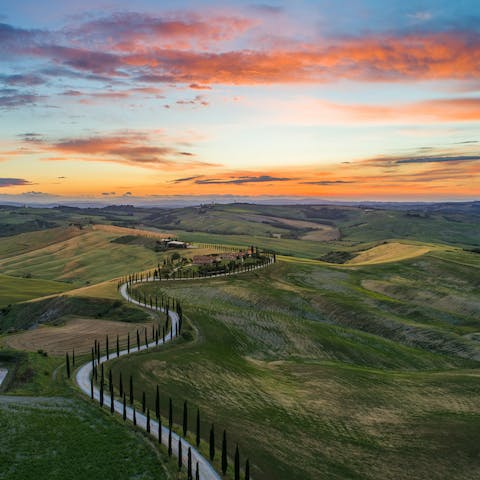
83,380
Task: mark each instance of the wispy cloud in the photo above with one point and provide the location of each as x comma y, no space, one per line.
134,148
241,180
13,182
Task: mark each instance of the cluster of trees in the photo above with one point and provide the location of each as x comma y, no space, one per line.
257,258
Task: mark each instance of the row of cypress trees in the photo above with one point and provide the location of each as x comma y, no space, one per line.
266,256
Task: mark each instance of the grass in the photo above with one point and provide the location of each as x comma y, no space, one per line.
316,375
55,309
17,289
58,438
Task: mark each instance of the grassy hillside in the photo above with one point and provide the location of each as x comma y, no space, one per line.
48,430
321,372
17,289
58,438
56,309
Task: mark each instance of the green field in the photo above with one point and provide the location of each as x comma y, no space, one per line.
324,373
364,370
17,289
57,438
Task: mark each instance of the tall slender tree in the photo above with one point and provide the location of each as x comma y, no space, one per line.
120,385
91,387
157,403
189,464
180,456
124,407
247,469
159,430
118,346
101,394
212,442
112,401
148,420
67,360
224,453
170,441
131,390
237,464
106,346
144,402
134,416
138,340
197,437
197,472
73,357
185,418
170,412
128,343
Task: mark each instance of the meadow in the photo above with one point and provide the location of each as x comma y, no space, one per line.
318,373
354,357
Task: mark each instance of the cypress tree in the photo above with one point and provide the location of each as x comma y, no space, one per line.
163,334
224,453
101,394
148,420
237,464
128,343
120,385
91,387
112,401
134,416
212,442
189,464
156,336
197,439
131,390
93,359
180,459
157,403
110,379
67,359
197,472
124,407
170,413
170,442
118,347
73,357
106,345
160,430
138,341
185,418
144,402
247,470
98,353
102,378
146,339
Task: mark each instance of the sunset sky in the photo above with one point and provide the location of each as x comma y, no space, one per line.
336,100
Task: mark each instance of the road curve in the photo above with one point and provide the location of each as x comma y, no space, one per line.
83,376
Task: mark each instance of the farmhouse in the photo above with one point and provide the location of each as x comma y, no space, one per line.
176,244
204,259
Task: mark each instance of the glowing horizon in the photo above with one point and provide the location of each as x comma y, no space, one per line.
215,98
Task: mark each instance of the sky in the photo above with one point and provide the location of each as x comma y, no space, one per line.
337,100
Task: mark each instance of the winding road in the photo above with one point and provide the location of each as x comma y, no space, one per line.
83,381
83,375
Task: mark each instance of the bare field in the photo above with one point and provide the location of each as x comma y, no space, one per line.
78,333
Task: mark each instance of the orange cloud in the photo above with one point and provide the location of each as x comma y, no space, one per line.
137,149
